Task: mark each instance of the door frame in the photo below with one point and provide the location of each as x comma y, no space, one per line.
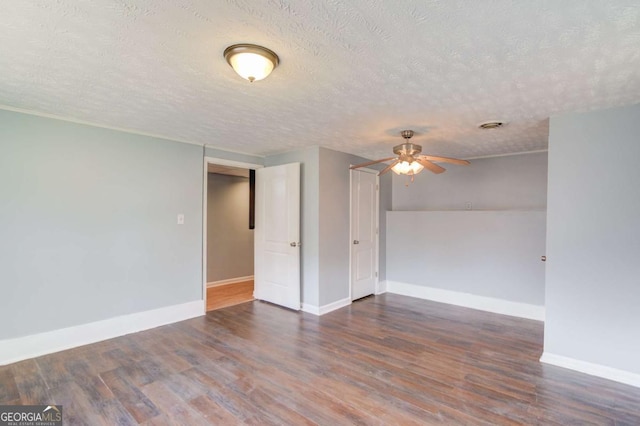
205,193
377,219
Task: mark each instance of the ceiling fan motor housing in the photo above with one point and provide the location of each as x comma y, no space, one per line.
408,149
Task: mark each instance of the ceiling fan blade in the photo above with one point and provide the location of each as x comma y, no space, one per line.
371,163
429,165
446,160
386,169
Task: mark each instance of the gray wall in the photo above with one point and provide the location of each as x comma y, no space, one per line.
517,182
325,221
593,238
88,224
229,239
309,216
386,205
335,224
485,253
492,251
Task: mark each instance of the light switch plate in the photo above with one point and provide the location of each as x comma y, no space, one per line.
180,219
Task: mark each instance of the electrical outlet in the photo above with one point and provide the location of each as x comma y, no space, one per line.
468,205
180,219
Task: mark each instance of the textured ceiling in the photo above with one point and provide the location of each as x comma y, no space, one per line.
352,75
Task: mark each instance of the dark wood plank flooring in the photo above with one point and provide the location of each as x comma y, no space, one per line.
383,360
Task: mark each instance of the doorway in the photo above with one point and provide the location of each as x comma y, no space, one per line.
228,241
364,233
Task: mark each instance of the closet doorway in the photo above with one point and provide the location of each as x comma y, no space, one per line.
228,243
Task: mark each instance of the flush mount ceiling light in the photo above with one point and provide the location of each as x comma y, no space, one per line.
494,124
250,61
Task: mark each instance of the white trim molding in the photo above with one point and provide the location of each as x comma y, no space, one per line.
232,163
21,348
511,154
230,281
101,126
310,309
592,369
330,307
382,287
325,309
483,303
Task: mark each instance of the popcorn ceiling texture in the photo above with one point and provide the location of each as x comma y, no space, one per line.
352,75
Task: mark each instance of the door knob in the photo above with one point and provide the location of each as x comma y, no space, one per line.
543,258
356,242
294,244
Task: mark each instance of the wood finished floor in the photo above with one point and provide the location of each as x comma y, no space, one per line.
222,296
383,360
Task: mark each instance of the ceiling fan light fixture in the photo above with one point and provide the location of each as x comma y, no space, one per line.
410,161
407,168
250,61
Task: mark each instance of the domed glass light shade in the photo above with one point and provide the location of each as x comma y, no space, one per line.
406,168
250,61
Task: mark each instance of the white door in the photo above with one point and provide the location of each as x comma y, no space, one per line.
364,224
277,235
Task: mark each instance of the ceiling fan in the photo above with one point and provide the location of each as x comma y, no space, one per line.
409,161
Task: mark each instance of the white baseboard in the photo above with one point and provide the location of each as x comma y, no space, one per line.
21,348
490,304
598,370
325,309
310,309
230,281
382,287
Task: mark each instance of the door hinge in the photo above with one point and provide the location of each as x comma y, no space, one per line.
376,231
377,187
376,274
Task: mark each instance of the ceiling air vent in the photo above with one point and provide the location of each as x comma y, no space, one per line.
491,125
